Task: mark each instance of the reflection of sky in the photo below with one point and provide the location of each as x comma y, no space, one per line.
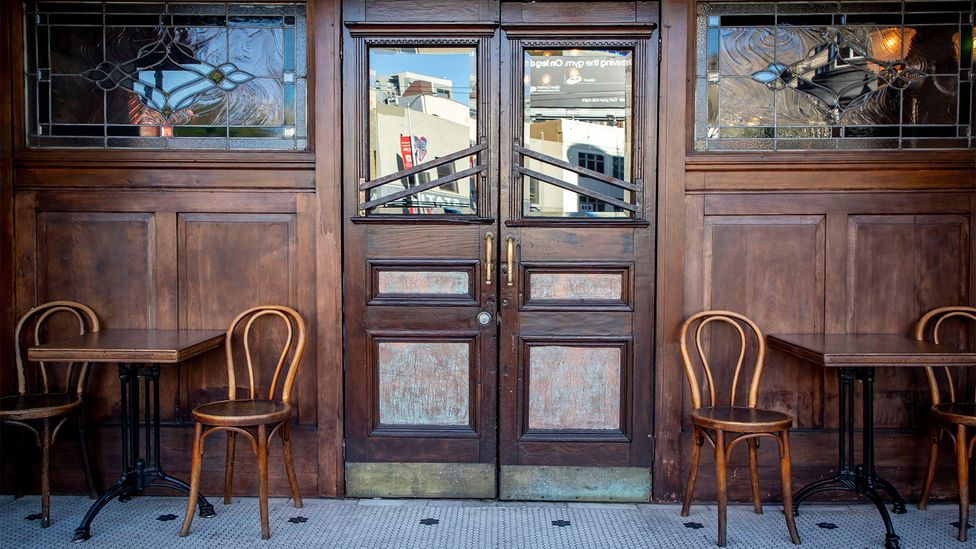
456,67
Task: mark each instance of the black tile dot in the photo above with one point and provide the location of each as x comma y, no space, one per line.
826,525
298,520
694,525
561,523
35,516
429,521
166,517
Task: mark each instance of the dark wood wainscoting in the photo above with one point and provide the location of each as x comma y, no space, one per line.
172,259
835,241
179,239
844,262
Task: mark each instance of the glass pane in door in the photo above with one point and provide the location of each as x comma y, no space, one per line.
423,106
578,109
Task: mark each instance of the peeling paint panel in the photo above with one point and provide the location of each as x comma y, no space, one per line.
423,282
424,383
576,286
574,387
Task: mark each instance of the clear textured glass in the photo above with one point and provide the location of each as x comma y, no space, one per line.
423,105
822,73
578,108
166,74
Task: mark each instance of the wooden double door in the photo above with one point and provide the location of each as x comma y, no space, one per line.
499,260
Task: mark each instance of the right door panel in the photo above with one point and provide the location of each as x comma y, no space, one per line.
577,245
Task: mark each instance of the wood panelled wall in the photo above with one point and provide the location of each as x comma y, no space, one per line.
181,240
836,242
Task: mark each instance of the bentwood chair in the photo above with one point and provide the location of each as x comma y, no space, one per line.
950,417
254,418
747,423
40,405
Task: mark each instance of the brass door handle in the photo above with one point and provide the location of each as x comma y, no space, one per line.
489,266
511,259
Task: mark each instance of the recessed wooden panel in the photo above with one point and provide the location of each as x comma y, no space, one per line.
576,286
423,382
423,282
898,267
229,263
416,282
574,388
580,286
106,260
770,268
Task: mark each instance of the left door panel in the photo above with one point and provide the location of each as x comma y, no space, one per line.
420,239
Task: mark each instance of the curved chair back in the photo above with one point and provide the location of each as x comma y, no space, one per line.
36,320
294,346
745,329
930,328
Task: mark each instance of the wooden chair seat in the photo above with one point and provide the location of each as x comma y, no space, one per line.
38,406
741,419
957,413
240,413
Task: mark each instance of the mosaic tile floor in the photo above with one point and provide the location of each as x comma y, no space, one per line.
154,522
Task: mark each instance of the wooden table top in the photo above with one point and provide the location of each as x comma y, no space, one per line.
869,350
143,346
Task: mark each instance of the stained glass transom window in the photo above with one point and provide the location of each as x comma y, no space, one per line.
834,75
166,75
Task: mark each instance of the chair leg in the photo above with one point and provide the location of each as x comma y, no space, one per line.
697,439
962,473
720,485
229,467
285,433
195,467
85,461
787,484
754,474
46,473
263,480
934,435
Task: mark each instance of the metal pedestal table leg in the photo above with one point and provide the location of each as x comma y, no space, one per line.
138,473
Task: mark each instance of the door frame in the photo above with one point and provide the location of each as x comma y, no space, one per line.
490,72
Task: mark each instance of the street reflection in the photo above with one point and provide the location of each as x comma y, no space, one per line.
578,109
422,106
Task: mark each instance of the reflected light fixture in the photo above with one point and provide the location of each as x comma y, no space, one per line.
891,44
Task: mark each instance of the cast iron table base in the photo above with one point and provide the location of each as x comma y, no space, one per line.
861,478
138,472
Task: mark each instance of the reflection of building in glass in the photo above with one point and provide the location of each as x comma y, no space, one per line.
577,110
427,108
596,146
398,84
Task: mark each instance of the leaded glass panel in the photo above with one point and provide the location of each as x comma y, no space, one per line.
834,75
166,75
